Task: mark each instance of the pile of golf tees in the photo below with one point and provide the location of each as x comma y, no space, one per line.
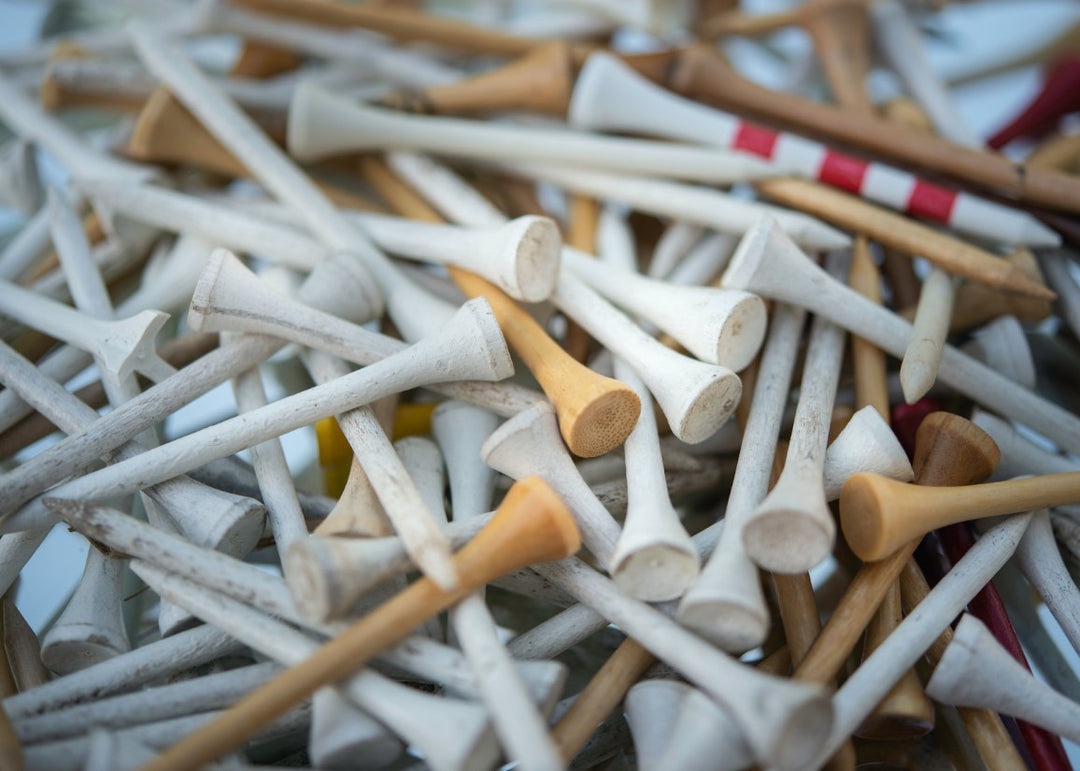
584,403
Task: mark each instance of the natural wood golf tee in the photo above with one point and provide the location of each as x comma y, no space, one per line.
879,515
948,450
532,525
595,413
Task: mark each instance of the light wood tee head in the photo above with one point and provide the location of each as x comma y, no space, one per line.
596,413
879,516
539,81
946,435
165,132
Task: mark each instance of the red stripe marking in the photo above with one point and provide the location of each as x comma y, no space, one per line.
842,171
756,140
930,201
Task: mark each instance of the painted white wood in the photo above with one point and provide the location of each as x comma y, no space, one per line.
269,96
27,246
470,347
726,604
26,119
208,516
396,490
70,754
696,204
704,263
793,530
703,736
91,627
976,671
158,659
328,575
718,326
344,737
1055,265
1002,345
1020,456
530,443
672,247
651,709
254,307
879,671
696,398
654,558
283,178
783,722
122,347
901,45
172,552
323,124
452,734
769,263
1040,560
170,291
19,181
272,472
866,443
184,697
609,95
521,257
929,330
460,430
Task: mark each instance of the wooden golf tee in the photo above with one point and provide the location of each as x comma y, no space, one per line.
949,449
583,215
879,516
899,232
539,81
1044,746
700,71
403,24
599,698
801,619
906,710
166,132
595,413
178,352
840,31
602,694
983,725
799,616
531,525
871,386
